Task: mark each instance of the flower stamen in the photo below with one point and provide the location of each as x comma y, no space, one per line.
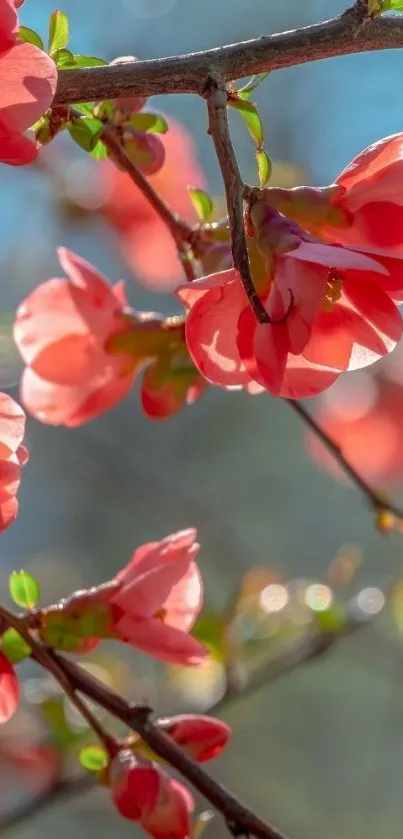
333,290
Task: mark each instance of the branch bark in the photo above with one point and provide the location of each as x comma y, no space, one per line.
351,32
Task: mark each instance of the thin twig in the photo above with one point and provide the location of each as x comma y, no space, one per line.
376,499
216,95
74,679
349,33
46,657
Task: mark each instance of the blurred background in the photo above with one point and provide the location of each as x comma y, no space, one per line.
319,751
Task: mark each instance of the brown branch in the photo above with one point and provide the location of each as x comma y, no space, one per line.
349,33
376,499
74,680
216,95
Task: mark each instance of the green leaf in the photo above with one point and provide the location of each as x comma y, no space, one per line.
64,59
88,61
246,91
58,31
85,108
250,116
263,166
202,203
153,123
209,629
392,5
29,36
85,132
24,589
99,152
14,647
93,758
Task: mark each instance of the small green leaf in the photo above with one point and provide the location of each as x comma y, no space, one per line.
99,152
64,59
29,36
58,31
14,647
392,5
93,758
88,61
246,91
85,132
263,166
84,108
153,123
251,117
24,589
202,203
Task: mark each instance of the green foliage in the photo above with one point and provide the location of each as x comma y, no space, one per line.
392,5
152,123
264,166
250,116
58,32
246,91
209,629
202,203
85,132
13,646
24,589
77,61
29,36
93,758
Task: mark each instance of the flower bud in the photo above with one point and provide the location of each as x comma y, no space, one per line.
202,737
144,150
144,793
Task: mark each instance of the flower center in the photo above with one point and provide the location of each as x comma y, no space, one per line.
160,614
333,290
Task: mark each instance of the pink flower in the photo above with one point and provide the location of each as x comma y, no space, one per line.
157,598
363,208
143,792
151,604
13,455
203,738
364,417
84,346
331,310
28,84
9,690
62,331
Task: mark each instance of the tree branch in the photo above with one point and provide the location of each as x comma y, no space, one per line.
216,95
349,33
75,680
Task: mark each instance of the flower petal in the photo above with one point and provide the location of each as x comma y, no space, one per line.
29,84
161,641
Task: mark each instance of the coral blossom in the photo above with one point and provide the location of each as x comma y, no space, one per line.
62,331
364,417
331,309
157,597
143,792
13,455
363,208
28,83
151,604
